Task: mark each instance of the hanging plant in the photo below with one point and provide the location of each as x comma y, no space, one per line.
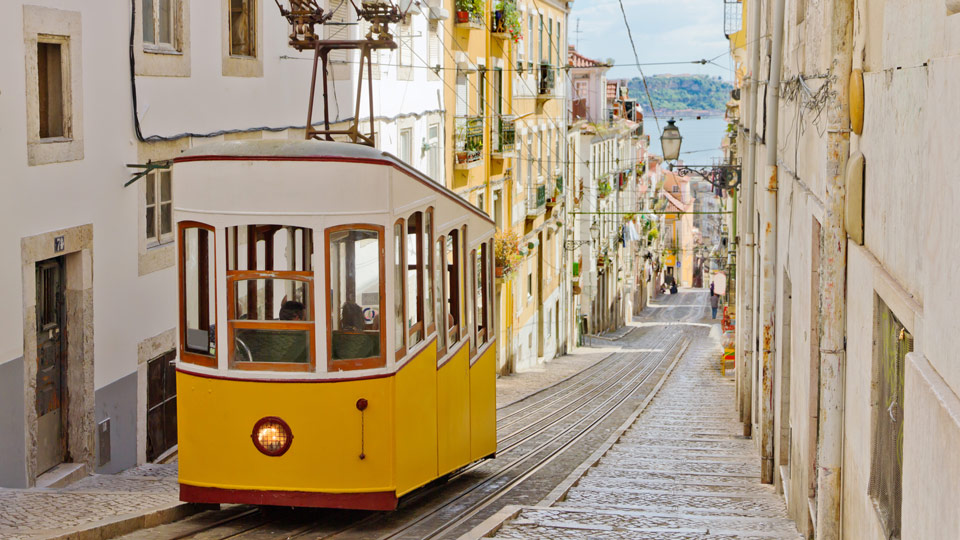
507,19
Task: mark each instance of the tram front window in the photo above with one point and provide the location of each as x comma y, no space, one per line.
355,276
270,300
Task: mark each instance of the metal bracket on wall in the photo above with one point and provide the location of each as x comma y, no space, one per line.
148,167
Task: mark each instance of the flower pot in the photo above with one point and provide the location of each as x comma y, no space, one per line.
463,16
498,271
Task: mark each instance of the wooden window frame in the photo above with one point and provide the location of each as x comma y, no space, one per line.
400,347
462,289
482,323
471,299
441,316
452,297
193,357
373,362
155,178
420,269
234,276
252,29
428,274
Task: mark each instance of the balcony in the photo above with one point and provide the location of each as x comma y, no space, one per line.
536,200
469,142
468,19
557,196
732,17
503,143
546,82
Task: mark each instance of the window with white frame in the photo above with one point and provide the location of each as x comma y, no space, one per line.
433,152
406,145
160,21
159,208
433,45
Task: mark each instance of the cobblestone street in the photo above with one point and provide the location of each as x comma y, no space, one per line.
680,471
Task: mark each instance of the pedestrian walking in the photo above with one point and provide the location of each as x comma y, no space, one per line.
714,303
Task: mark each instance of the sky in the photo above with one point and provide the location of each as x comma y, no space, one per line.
663,30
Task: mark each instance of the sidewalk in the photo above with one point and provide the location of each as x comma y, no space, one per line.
679,471
99,506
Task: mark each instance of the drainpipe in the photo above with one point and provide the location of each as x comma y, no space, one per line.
768,298
833,273
745,339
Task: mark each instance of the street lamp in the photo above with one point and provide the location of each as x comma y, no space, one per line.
572,245
670,141
595,231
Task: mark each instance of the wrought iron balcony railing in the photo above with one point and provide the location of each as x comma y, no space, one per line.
536,200
469,140
503,139
546,80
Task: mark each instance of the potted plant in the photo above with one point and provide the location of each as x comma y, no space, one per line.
603,188
506,19
467,9
506,252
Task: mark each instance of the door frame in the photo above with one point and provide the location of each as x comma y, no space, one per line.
75,245
64,406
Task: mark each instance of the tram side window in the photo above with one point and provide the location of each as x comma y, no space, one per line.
470,293
481,288
428,293
198,306
355,277
452,286
414,278
439,295
399,332
270,297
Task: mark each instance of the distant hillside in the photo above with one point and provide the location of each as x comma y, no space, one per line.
677,93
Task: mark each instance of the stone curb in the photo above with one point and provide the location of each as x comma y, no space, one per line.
128,523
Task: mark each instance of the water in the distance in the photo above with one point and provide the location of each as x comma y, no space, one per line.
701,138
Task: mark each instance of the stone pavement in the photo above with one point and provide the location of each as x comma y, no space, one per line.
137,497
680,471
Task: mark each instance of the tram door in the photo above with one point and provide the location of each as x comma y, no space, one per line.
51,407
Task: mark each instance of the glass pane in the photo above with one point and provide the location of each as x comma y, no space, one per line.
151,188
198,301
398,328
480,287
438,295
428,269
471,292
271,300
151,222
271,345
413,246
148,32
165,14
166,224
164,186
354,268
281,248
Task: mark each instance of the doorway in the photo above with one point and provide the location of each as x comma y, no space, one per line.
540,325
161,405
50,397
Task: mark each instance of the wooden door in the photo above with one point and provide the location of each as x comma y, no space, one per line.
161,405
50,397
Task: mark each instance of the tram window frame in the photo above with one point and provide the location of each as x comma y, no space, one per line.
491,306
187,355
414,306
429,307
399,286
452,287
251,269
471,294
372,362
481,304
462,290
441,296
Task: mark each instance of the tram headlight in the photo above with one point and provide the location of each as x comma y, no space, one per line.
272,436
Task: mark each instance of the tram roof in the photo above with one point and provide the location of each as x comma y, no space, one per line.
313,150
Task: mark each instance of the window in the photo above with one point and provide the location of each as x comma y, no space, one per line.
159,209
399,329
549,157
471,295
892,343
405,50
560,61
270,297
529,283
198,304
414,277
530,40
482,274
481,92
159,24
550,41
50,79
480,201
355,297
464,313
540,42
530,159
461,106
439,255
426,243
406,145
243,28
433,45
451,286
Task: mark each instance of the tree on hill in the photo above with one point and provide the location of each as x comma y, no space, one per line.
682,92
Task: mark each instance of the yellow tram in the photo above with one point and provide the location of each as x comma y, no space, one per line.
336,326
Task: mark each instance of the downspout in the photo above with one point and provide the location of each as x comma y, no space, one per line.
768,291
745,339
833,264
